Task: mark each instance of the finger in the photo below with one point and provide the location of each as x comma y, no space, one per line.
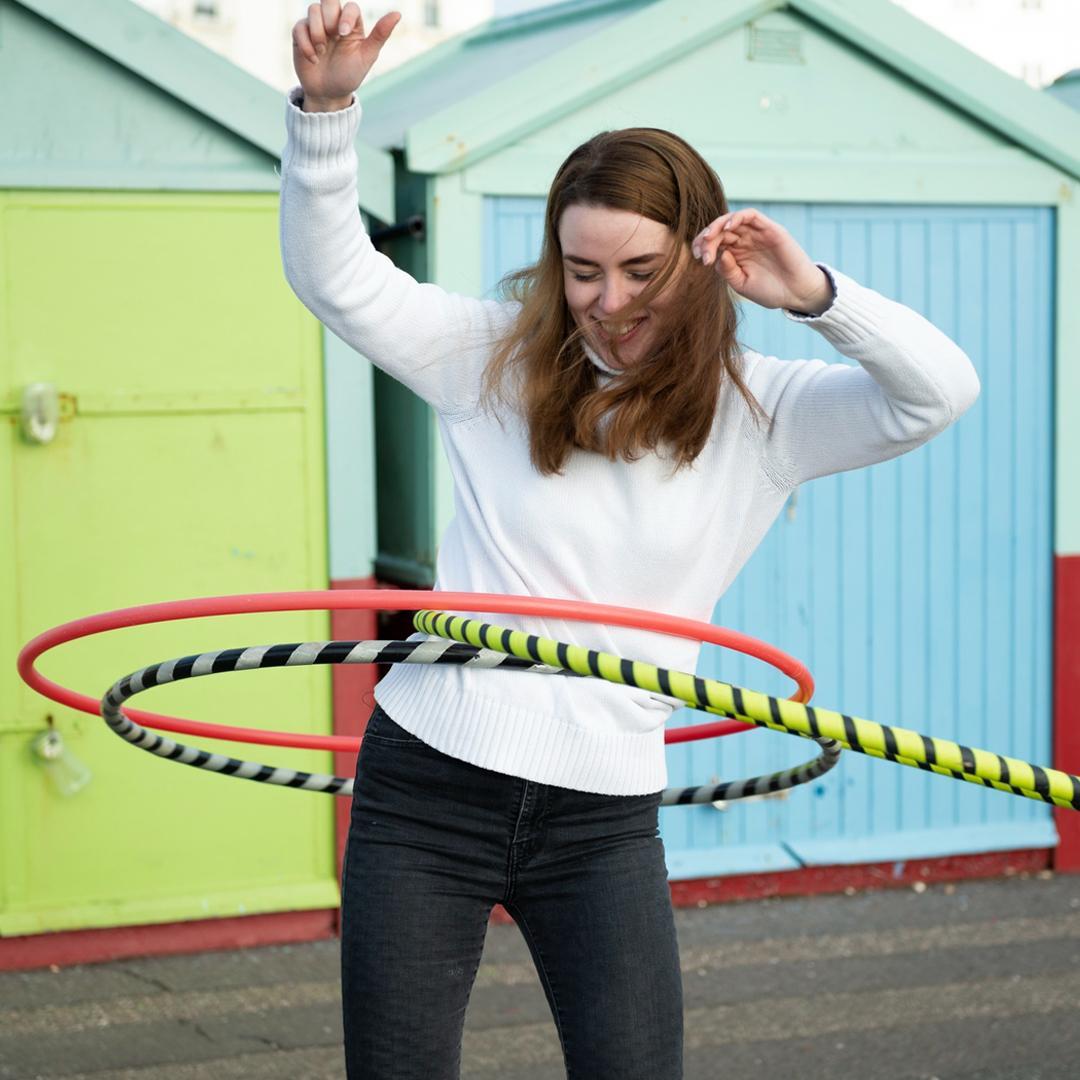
302,42
707,237
331,17
710,229
316,29
712,250
727,266
351,18
381,31
755,221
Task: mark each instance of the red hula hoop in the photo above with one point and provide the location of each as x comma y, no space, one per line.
384,600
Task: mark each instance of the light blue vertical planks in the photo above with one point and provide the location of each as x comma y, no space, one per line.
917,591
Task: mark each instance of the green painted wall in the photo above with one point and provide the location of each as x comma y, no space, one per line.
734,100
191,463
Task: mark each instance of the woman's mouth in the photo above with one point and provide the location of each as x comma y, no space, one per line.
620,333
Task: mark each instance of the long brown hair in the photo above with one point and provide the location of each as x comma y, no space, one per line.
667,400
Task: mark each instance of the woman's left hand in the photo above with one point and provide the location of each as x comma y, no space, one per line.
762,261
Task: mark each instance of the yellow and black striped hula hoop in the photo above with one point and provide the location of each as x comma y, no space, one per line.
902,745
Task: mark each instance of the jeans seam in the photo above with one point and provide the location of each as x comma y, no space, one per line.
512,851
538,955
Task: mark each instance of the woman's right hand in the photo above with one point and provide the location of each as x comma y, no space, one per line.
332,55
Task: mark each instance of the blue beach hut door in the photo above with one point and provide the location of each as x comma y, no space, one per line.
917,591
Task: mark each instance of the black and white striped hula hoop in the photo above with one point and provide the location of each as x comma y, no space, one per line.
431,651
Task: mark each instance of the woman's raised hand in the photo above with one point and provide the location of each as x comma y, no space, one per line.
332,55
762,261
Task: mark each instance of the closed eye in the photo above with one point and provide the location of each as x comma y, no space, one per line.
642,276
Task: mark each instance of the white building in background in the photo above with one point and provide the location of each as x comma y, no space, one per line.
1034,40
256,35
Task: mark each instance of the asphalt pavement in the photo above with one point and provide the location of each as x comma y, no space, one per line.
967,981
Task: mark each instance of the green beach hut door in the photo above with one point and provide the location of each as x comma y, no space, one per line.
917,591
187,460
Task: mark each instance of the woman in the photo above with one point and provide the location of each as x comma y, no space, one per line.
609,441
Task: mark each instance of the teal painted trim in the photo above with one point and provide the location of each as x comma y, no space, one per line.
890,34
1067,377
712,862
480,125
492,29
455,262
46,177
208,83
350,460
417,67
926,843
1007,177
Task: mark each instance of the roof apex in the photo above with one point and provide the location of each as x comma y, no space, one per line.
477,126
208,83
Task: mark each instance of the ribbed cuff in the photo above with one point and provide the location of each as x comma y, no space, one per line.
802,316
853,316
319,140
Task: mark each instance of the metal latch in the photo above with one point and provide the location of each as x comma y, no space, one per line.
40,411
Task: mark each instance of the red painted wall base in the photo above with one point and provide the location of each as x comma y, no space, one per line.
818,880
1067,700
119,943
353,695
64,948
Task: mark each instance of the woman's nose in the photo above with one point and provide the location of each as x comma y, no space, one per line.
613,296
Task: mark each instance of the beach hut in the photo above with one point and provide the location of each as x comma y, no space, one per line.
920,592
178,426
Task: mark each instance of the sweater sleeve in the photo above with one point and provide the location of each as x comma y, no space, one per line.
911,383
436,343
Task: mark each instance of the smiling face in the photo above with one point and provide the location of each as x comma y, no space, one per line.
609,258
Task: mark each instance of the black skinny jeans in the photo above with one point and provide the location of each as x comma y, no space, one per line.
434,844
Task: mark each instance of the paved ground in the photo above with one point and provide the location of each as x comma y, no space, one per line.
974,981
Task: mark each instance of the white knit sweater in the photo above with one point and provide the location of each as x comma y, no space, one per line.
634,534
